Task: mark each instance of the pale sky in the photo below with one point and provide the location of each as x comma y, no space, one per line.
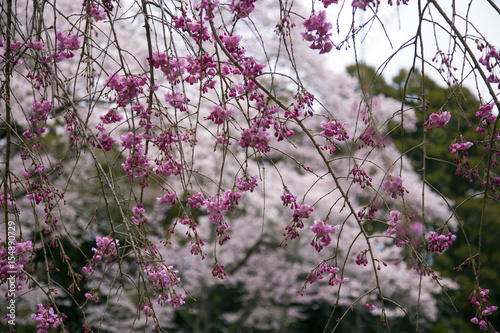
401,24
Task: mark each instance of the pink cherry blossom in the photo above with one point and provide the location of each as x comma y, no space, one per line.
394,186
317,32
219,115
438,119
322,231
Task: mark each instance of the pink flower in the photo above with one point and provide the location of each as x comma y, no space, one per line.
177,100
489,310
394,186
317,32
327,3
334,128
322,232
93,295
361,258
132,141
486,117
219,115
334,279
35,45
46,319
231,42
98,14
106,142
41,109
168,198
67,42
247,184
360,176
164,279
196,201
256,138
460,146
127,88
173,69
485,111
242,8
363,3
112,116
303,211
218,271
288,199
168,168
439,242
438,120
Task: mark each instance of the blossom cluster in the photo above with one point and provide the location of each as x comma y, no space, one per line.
107,250
136,165
327,3
491,60
480,299
299,212
302,211
46,319
41,191
66,44
219,115
486,117
439,242
196,243
197,29
460,147
247,184
322,237
164,279
317,32
394,186
97,14
218,270
242,8
208,7
303,104
196,201
15,48
363,3
217,205
40,112
334,128
288,199
438,120
177,100
92,295
333,278
361,258
126,87
168,198
23,251
360,177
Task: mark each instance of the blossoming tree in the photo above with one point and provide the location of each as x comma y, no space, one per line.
180,147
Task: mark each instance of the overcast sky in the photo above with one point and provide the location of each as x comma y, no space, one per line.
401,24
